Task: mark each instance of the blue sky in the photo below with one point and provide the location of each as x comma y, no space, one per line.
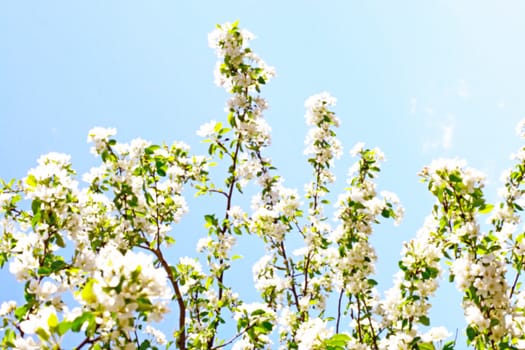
420,79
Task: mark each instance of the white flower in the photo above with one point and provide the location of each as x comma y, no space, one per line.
26,343
99,137
98,133
7,307
94,174
312,333
193,263
317,109
37,320
207,129
237,216
358,148
242,344
25,262
59,159
435,334
119,280
160,338
203,244
473,315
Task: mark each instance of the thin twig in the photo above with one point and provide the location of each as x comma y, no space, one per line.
339,301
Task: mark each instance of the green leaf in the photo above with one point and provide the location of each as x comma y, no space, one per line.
151,149
31,180
58,265
87,292
42,334
35,206
63,327
454,178
231,119
449,345
20,312
44,271
471,333
77,323
162,167
258,312
372,282
59,240
424,320
337,341
386,213
145,345
426,346
9,338
485,209
267,325
52,321
210,219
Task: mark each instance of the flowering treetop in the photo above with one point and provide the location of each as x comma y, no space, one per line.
100,264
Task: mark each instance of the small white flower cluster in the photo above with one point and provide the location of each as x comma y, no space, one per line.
123,285
207,129
254,317
270,222
409,299
158,335
151,178
241,72
40,322
352,259
479,268
25,261
100,137
312,333
443,171
321,142
486,275
51,181
247,169
267,279
231,43
116,284
7,307
190,274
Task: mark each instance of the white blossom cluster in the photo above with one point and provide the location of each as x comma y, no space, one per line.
257,316
357,210
479,267
94,261
241,72
122,285
312,333
487,275
112,283
321,144
408,301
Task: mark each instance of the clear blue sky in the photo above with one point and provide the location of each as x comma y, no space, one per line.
420,79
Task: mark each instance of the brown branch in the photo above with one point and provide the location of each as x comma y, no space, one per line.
515,283
339,301
290,272
234,337
87,341
181,337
